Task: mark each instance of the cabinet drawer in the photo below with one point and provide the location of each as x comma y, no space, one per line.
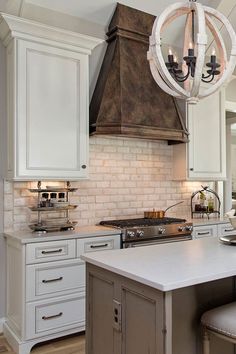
50,317
204,231
97,244
226,229
53,279
50,251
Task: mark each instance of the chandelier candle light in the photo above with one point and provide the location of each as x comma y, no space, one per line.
184,81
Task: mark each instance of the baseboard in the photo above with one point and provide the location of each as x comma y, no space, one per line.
2,320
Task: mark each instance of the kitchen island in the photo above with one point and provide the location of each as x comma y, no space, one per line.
149,300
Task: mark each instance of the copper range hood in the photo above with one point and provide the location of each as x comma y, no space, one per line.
126,99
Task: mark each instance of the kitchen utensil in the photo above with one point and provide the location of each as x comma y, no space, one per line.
229,240
158,214
233,221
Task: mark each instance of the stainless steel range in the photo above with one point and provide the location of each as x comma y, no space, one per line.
145,232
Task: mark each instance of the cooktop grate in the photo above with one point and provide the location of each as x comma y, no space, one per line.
141,222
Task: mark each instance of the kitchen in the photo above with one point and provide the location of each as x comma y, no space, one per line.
127,176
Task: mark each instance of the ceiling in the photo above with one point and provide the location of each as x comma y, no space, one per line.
100,11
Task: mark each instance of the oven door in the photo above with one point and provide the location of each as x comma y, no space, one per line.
155,242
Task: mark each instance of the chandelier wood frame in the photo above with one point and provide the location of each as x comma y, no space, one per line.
204,17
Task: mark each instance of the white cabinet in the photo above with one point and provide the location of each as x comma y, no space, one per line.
204,231
226,230
216,230
47,101
46,288
204,156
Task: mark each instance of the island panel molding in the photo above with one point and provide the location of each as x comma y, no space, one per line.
47,101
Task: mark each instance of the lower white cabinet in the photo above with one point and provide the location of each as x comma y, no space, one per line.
46,288
50,316
226,230
216,230
204,231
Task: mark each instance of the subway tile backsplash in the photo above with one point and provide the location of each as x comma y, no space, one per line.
127,177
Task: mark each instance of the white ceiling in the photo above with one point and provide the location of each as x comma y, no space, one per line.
100,11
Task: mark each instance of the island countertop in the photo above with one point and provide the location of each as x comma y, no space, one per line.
170,266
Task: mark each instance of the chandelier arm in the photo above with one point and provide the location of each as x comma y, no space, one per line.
201,43
208,81
155,38
183,78
219,42
207,76
232,60
159,80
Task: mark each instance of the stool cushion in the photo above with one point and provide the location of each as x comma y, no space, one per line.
221,319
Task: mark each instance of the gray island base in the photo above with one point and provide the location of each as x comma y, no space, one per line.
150,300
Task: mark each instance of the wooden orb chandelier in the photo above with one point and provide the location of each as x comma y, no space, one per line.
184,80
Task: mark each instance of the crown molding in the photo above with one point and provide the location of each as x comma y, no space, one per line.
20,28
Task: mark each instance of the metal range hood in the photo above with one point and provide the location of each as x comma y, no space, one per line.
126,99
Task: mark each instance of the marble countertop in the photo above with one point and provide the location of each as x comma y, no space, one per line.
171,266
79,232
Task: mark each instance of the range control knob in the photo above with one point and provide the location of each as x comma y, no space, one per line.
130,234
161,230
189,228
140,233
181,228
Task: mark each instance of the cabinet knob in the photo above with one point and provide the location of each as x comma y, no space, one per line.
83,166
191,169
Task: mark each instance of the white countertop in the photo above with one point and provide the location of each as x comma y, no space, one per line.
210,221
170,266
79,232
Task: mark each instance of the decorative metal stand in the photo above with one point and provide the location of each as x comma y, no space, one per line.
56,224
201,209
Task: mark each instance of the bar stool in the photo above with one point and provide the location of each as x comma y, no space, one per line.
220,322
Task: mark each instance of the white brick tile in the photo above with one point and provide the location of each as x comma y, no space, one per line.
127,176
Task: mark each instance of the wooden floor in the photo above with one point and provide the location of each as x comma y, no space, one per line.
74,344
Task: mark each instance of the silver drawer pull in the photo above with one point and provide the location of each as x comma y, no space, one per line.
203,233
53,316
54,251
99,246
228,230
51,280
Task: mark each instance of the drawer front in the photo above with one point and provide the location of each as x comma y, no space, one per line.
204,231
50,251
97,244
53,279
226,229
47,318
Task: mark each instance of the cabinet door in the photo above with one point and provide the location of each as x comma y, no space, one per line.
51,116
206,148
100,330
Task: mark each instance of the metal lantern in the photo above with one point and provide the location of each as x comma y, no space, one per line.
169,75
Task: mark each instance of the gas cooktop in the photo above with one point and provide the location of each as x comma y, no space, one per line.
141,222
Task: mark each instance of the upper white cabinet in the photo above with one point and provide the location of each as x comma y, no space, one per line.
47,100
204,157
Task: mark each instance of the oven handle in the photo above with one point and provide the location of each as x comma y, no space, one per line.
148,243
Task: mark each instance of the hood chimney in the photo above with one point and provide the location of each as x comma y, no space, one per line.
126,100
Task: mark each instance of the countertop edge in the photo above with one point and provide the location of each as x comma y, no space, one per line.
25,237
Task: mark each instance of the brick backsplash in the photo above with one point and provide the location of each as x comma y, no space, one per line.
127,177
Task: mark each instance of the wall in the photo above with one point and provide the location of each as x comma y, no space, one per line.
127,176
